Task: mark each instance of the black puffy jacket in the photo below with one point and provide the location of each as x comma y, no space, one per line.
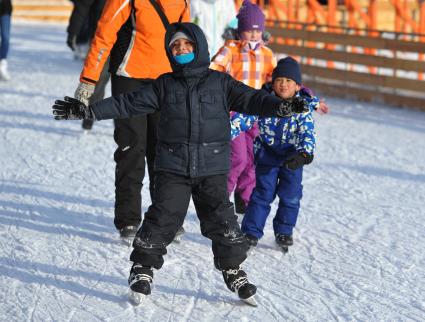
5,7
194,129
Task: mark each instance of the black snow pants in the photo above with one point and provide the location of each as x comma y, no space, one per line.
167,213
136,139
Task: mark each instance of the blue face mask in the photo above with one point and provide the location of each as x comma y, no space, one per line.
185,58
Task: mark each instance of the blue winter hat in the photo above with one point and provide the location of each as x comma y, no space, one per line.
287,67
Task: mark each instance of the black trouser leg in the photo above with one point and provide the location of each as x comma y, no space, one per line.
130,136
161,222
219,222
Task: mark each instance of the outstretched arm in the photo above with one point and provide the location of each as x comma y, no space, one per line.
323,108
144,101
244,99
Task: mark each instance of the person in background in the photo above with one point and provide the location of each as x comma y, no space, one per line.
213,16
250,61
283,147
132,34
83,22
5,17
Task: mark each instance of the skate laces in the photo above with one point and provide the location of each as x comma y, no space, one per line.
232,271
238,282
137,277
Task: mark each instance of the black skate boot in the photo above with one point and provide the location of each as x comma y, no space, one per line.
87,124
240,206
127,234
251,240
140,281
237,281
284,241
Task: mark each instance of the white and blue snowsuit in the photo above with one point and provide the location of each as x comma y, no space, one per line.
278,140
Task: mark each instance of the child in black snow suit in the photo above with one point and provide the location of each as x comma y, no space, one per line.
192,154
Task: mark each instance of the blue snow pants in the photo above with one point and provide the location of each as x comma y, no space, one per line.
272,181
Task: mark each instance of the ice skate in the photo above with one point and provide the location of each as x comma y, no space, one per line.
139,281
87,125
284,241
237,281
4,74
251,240
179,234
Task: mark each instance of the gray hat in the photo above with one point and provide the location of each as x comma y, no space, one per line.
179,35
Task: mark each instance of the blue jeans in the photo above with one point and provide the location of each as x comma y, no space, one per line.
272,182
5,35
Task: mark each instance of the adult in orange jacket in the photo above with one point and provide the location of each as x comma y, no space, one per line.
132,33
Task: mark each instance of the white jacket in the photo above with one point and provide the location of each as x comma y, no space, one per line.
212,16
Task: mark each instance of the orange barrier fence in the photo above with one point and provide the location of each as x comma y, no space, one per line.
394,58
57,11
390,15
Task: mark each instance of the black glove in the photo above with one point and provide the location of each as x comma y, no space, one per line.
295,105
71,41
299,105
72,109
285,109
298,160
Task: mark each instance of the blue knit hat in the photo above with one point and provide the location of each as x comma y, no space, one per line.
287,67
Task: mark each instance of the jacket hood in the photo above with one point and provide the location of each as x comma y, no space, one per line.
202,56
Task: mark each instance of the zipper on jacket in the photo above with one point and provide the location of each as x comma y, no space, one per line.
192,160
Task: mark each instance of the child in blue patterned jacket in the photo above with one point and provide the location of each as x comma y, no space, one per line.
282,149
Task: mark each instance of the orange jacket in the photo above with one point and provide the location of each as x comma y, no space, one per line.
145,56
252,67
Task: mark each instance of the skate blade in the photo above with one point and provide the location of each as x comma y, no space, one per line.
136,298
251,301
284,249
177,239
127,241
250,250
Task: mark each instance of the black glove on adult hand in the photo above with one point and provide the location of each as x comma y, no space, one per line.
71,41
298,160
72,109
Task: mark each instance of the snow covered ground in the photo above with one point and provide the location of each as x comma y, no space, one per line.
359,243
